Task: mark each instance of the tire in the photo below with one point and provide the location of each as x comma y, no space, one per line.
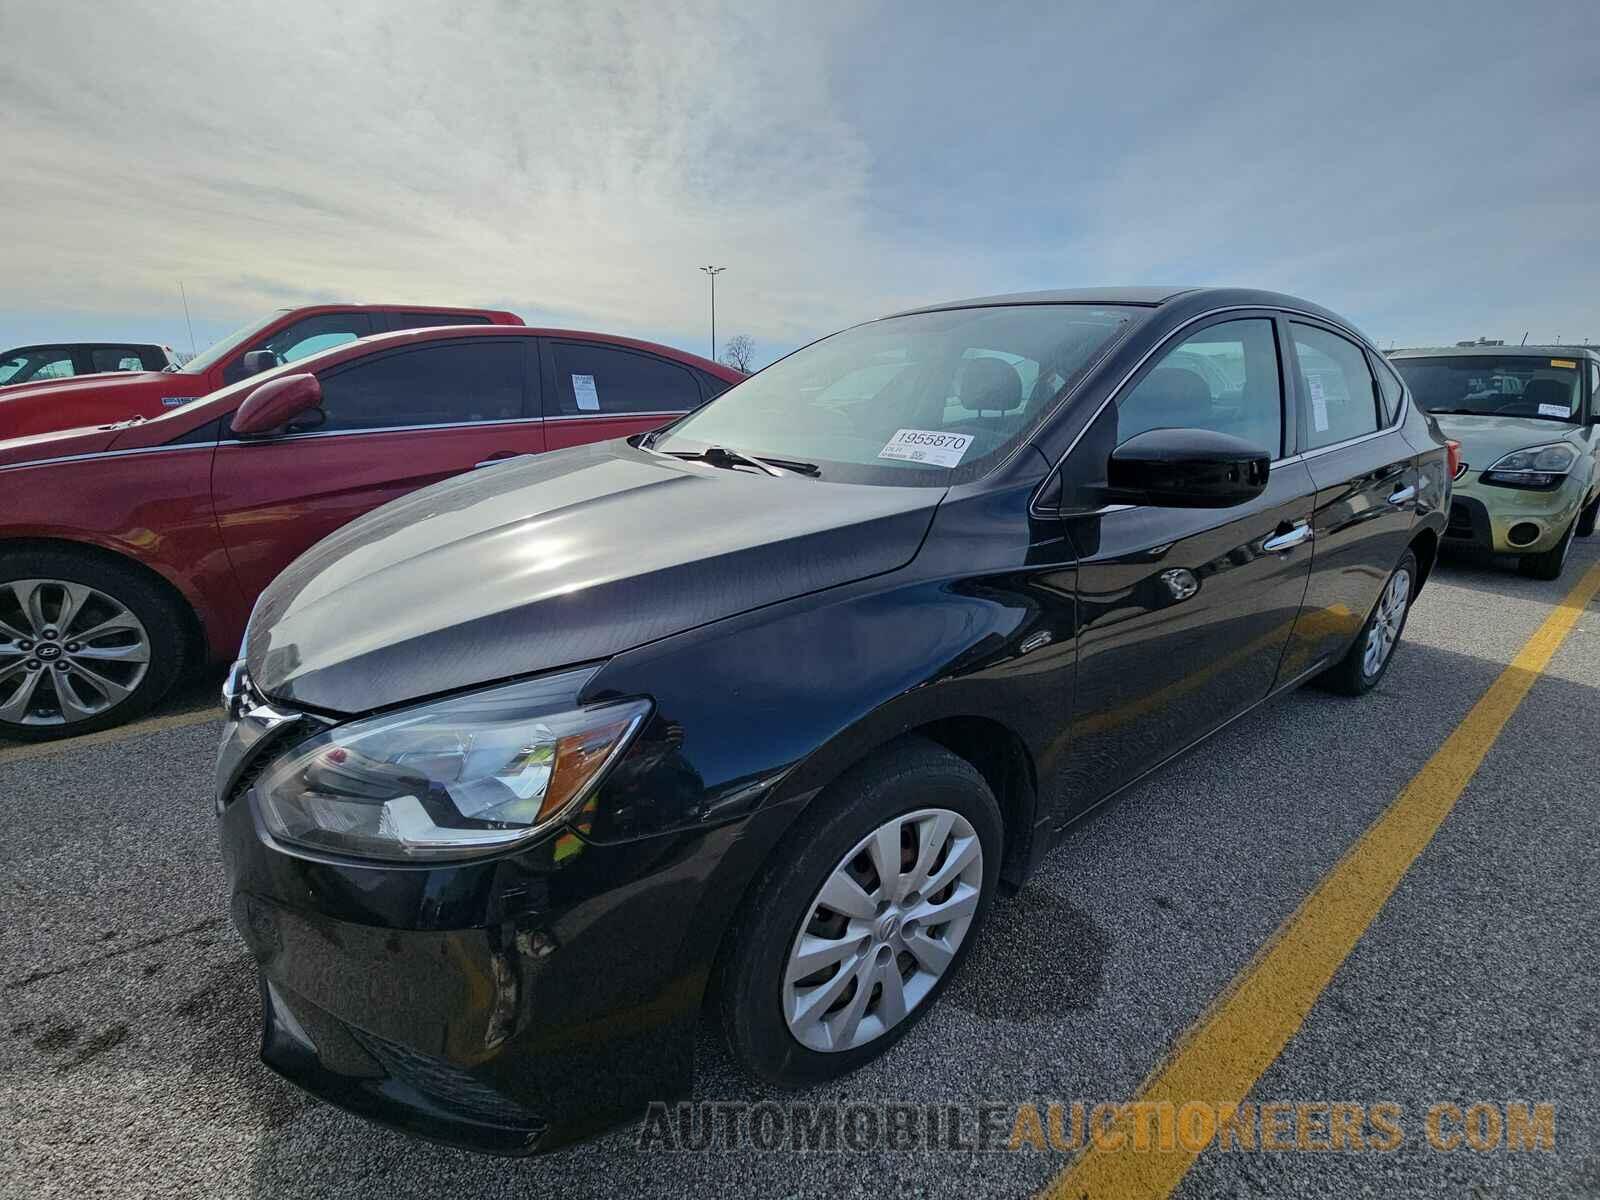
1586,519
920,786
1553,561
111,676
1356,674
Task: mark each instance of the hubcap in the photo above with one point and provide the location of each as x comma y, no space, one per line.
1386,622
883,929
68,652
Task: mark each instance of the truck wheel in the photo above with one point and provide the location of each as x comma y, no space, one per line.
863,916
84,644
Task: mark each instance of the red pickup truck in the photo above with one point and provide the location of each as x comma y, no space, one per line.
282,336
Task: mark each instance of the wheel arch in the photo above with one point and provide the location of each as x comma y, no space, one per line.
194,629
1425,545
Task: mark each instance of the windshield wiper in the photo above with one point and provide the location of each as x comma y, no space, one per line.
721,456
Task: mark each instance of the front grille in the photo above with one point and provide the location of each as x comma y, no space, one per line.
452,1087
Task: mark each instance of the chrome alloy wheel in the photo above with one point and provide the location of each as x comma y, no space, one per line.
68,652
883,929
1386,622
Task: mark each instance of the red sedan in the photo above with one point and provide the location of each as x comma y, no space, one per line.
131,550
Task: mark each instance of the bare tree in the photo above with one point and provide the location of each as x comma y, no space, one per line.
740,353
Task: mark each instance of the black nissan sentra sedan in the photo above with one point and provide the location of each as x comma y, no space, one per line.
753,716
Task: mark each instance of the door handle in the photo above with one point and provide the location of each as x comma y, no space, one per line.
1407,493
1298,536
494,460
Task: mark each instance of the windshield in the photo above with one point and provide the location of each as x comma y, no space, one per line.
929,399
1506,386
217,351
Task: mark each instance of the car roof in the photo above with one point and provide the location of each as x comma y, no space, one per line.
1475,351
71,345
1198,299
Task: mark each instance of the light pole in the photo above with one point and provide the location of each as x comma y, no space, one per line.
713,272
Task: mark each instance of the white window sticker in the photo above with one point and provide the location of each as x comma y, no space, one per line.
927,446
584,393
1554,410
1319,403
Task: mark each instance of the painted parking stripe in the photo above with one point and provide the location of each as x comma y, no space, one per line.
121,733
1220,1058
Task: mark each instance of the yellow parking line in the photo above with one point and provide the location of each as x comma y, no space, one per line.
1222,1055
197,716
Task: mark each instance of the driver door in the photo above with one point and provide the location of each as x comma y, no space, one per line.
1184,612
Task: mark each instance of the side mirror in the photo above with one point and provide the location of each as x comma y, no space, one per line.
275,403
257,361
1186,468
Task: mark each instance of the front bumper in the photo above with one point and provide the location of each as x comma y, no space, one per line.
508,1006
1483,516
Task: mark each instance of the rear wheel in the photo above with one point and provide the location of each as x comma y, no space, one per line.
1367,660
863,918
84,645
1553,561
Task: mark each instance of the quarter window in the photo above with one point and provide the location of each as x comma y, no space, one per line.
593,379
1336,387
436,385
1224,378
1389,389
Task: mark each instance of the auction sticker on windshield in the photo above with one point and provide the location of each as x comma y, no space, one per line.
927,446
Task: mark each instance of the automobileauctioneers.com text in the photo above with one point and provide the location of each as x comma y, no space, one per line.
1141,1126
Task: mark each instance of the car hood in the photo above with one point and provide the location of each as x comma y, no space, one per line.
553,560
1487,438
105,381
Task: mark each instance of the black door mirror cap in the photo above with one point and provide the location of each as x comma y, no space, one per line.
257,361
1186,468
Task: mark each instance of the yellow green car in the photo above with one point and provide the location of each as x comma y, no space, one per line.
1526,418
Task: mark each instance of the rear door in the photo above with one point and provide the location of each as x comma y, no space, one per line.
1367,479
1184,613
598,390
395,422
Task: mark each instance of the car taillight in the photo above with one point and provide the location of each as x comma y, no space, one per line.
1452,449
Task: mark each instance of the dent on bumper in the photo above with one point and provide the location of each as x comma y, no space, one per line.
1482,515
510,1007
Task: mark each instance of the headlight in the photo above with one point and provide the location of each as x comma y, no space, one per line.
473,774
1535,467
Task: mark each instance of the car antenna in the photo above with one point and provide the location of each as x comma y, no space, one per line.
186,320
1525,333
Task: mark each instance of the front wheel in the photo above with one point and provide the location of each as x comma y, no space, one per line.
1587,518
1553,561
866,913
1367,660
84,645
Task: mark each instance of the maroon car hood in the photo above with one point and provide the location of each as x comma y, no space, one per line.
61,444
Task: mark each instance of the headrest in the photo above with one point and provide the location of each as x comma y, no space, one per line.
1177,396
989,385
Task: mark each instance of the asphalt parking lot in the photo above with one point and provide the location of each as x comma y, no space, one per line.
128,1043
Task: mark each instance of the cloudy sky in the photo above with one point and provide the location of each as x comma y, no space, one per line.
1430,170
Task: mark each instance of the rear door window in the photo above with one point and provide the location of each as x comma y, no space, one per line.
1335,386
430,320
1389,389
115,358
593,380
451,384
32,366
